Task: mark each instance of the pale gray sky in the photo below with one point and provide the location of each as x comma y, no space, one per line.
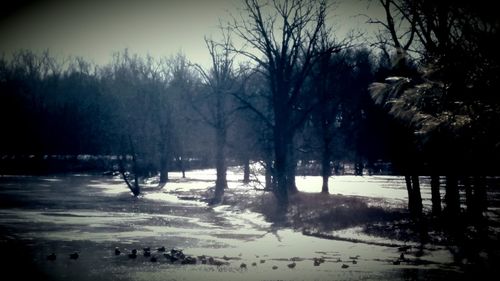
95,29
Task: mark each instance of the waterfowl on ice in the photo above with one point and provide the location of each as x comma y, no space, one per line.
188,260
133,254
292,265
345,265
317,261
117,251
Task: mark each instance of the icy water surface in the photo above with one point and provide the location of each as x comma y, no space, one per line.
93,214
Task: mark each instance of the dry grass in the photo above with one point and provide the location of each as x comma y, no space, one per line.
318,212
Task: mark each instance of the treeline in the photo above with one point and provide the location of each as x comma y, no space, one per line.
162,108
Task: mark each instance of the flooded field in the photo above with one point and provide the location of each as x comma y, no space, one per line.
93,215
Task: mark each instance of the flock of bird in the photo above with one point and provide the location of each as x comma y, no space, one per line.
177,256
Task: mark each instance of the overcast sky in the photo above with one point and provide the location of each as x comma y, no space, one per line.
95,29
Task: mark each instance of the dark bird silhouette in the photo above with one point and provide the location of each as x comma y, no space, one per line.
147,253
74,256
153,259
188,260
171,258
345,265
117,251
243,266
52,257
292,265
161,249
133,254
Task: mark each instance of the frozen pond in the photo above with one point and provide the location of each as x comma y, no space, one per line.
94,214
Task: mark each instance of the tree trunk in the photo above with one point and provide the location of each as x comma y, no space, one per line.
268,174
358,168
182,168
137,189
452,197
164,168
436,195
291,167
281,172
220,166
246,171
326,171
134,187
417,197
291,172
414,197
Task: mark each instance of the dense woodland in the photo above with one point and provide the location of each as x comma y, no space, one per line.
421,98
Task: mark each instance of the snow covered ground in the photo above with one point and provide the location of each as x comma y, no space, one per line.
94,214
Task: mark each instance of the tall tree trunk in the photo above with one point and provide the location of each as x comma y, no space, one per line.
435,195
414,197
291,172
326,170
246,171
282,147
134,187
417,197
281,172
452,197
182,167
291,168
268,174
358,168
137,189
220,166
164,166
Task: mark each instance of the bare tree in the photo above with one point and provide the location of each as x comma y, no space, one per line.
221,83
282,37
